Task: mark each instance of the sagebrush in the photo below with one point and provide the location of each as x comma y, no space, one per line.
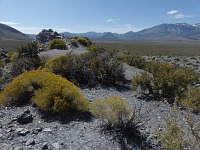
116,113
90,69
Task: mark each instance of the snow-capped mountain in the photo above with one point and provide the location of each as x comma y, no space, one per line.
178,31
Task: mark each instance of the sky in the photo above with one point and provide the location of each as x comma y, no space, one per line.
78,16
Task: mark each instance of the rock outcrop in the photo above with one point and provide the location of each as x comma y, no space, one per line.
46,36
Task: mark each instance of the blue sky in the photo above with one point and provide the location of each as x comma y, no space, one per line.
120,16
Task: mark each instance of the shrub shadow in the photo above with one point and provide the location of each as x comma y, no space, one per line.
136,140
67,117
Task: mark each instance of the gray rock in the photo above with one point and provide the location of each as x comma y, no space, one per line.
47,130
56,145
39,129
44,146
22,131
30,142
9,130
27,111
18,148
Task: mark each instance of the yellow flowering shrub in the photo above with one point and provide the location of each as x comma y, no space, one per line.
48,91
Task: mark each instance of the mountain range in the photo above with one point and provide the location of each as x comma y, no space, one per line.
9,33
178,31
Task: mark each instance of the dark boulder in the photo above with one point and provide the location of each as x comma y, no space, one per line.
25,117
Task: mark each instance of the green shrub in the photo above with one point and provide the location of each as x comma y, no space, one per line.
173,136
74,43
92,47
1,63
144,81
131,59
84,41
74,37
21,65
192,100
41,46
178,137
29,50
14,56
48,91
88,69
26,58
165,80
57,44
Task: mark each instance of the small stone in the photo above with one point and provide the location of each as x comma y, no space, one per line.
47,130
30,142
56,145
44,146
34,131
9,130
147,131
18,148
22,131
27,111
39,129
19,129
1,135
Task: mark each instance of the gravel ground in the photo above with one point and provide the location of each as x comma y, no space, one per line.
76,131
181,61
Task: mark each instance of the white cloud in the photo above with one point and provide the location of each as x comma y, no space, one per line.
181,16
113,20
172,12
9,23
36,30
129,26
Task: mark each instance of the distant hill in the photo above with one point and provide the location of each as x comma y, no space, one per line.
179,31
9,33
33,36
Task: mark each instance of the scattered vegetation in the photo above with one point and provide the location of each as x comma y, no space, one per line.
26,58
192,100
130,59
57,44
92,47
153,48
12,45
165,80
50,92
73,43
179,137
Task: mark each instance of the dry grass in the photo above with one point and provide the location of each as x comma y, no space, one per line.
172,48
11,45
